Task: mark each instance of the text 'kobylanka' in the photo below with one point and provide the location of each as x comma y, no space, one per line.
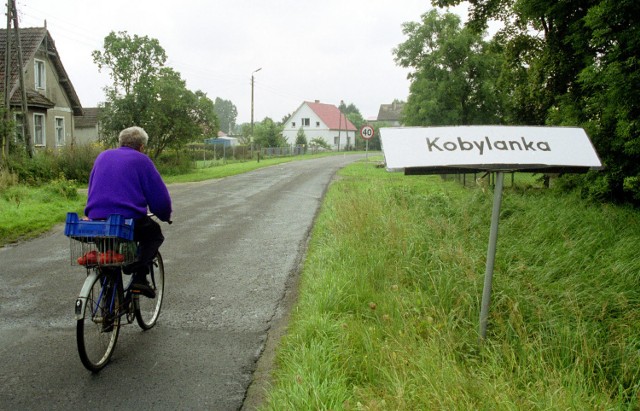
433,144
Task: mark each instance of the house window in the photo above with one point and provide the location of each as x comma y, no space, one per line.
38,130
317,124
293,124
60,131
40,74
305,122
19,132
336,141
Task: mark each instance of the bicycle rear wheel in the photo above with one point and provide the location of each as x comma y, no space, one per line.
147,310
98,328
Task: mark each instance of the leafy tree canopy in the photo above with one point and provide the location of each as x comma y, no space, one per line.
227,114
268,134
147,94
453,79
129,60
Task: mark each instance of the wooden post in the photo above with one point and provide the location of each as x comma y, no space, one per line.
27,134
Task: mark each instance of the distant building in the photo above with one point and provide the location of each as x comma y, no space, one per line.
391,113
87,128
52,101
320,120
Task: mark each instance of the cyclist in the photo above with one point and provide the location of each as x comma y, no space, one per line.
125,181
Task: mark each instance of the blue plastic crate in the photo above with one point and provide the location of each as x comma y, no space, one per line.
85,230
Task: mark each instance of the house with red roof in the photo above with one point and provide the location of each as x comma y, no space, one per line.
320,120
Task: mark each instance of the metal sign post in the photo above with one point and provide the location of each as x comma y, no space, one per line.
469,149
491,254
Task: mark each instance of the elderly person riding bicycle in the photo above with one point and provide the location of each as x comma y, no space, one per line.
125,181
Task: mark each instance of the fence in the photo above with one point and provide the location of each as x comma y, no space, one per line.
488,179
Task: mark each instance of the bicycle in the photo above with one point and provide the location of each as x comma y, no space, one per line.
103,247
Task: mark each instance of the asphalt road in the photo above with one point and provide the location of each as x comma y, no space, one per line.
231,260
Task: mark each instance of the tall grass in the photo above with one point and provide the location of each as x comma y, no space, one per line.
26,211
387,317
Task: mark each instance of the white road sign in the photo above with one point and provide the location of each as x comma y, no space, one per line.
366,132
507,148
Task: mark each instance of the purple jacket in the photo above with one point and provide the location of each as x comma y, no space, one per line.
125,181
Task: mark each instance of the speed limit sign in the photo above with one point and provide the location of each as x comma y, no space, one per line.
366,132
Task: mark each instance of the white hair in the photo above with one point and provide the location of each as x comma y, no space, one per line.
134,137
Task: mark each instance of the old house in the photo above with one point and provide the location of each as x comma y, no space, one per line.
320,120
391,114
52,101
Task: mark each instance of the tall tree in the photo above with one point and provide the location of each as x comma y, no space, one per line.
153,97
227,114
575,63
453,79
130,60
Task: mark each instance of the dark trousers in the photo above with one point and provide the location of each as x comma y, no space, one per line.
149,236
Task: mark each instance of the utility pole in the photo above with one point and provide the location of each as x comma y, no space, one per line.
255,71
340,124
7,81
25,122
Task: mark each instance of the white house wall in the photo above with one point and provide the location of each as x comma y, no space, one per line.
316,129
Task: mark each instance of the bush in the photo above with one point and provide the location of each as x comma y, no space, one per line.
71,162
61,187
75,162
175,163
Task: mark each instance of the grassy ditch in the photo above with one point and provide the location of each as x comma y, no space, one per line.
387,317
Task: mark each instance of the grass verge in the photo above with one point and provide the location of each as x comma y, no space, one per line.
387,317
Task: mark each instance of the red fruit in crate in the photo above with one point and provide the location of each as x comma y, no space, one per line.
88,258
110,257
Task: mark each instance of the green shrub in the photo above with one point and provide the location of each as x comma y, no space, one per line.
174,163
75,162
36,170
61,187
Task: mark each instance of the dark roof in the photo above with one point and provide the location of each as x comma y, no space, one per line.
31,38
89,119
331,116
390,112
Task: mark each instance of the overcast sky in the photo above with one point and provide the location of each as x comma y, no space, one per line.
327,50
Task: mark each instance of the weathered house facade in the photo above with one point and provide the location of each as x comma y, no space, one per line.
52,101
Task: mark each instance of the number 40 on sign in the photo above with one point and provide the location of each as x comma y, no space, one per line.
367,133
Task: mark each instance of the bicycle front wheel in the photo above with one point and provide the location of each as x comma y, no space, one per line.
98,328
147,310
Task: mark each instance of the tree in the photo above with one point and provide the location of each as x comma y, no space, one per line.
268,134
575,63
130,60
453,82
177,116
301,138
319,142
155,98
227,114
